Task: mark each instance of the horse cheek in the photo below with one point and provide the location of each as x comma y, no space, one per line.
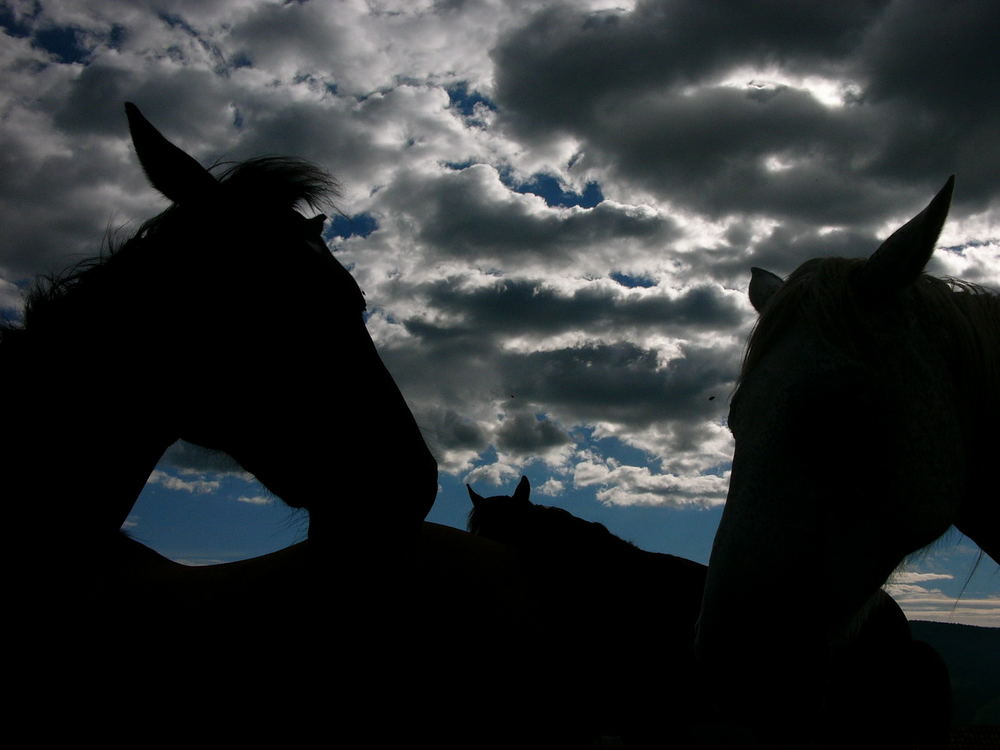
932,474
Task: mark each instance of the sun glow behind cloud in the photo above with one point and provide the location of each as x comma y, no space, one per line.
830,92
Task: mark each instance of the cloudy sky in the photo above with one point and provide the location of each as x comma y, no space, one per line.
552,209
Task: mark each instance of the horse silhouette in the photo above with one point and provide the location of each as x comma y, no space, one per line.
864,422
612,614
617,621
224,321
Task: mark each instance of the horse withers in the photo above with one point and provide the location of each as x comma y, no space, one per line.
864,422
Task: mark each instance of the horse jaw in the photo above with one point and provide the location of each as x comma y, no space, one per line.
775,611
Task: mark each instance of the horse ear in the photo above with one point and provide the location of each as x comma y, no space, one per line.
522,490
316,223
474,496
763,285
171,171
900,259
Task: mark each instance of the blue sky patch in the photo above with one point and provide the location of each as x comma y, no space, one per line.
632,282
551,189
241,60
117,36
359,225
465,101
174,21
63,43
11,25
543,185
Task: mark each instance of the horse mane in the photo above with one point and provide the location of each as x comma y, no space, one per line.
964,317
277,181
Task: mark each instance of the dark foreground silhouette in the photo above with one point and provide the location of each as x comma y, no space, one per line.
865,424
623,619
224,321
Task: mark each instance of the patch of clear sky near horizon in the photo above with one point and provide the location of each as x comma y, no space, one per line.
216,527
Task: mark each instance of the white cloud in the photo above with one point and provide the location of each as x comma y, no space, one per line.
552,488
906,577
496,474
968,604
922,603
831,92
255,499
637,485
194,486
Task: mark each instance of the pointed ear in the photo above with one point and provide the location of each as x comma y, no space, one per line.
316,224
171,171
474,496
763,285
522,490
900,259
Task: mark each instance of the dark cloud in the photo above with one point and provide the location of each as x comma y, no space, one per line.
279,35
470,214
318,131
619,383
637,90
56,203
566,65
521,306
788,246
447,430
784,248
526,433
92,105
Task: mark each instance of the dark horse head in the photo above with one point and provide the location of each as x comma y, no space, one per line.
863,420
224,321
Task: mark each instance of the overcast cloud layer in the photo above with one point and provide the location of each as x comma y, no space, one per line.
554,208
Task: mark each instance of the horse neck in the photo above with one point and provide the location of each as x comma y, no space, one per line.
980,515
84,444
592,540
